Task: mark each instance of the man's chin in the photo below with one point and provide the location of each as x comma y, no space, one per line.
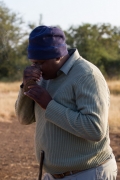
44,77
47,78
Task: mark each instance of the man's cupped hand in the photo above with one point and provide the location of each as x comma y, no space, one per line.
39,95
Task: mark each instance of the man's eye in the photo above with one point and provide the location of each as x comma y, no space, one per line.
37,63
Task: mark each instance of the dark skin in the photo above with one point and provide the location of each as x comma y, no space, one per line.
48,70
31,73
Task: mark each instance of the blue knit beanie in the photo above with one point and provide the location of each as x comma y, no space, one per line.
46,43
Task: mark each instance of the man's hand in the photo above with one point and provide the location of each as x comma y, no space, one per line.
30,76
39,95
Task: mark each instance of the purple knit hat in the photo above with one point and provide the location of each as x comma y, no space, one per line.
46,43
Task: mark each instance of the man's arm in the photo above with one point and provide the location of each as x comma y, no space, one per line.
24,108
90,119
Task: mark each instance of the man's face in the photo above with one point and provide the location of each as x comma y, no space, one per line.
49,67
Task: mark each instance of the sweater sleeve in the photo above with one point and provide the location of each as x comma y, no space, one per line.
90,119
24,108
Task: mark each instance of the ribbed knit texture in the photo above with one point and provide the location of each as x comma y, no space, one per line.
73,130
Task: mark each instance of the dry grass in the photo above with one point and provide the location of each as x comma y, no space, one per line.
7,103
114,113
8,96
9,92
114,86
9,87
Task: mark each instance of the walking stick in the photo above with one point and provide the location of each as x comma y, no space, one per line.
41,164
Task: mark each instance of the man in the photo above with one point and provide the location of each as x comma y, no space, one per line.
68,98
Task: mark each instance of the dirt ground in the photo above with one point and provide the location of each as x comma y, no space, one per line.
17,155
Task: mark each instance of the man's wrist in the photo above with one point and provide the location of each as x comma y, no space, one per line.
22,85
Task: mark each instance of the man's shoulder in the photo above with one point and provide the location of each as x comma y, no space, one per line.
82,67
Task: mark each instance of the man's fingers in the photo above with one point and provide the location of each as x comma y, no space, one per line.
29,93
33,70
27,79
32,74
35,88
39,95
32,94
32,86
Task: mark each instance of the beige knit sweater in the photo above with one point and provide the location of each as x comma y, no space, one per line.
73,130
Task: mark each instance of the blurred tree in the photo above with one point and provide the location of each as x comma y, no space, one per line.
99,44
11,36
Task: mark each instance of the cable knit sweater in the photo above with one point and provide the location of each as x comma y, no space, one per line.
73,130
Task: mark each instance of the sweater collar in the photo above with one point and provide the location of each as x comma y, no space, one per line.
74,55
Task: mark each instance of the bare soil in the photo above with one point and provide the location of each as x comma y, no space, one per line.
17,154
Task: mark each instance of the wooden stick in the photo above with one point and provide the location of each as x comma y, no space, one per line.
41,164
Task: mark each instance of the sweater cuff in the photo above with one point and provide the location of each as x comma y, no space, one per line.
21,93
22,85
